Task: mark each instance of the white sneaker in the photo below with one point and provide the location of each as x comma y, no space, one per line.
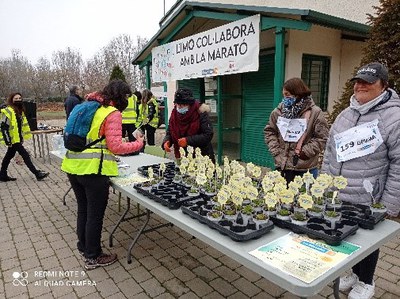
348,281
362,291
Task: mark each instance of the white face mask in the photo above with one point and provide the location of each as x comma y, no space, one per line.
182,110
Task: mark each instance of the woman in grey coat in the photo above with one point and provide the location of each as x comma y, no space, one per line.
363,144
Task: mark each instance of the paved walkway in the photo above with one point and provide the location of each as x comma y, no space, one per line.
37,236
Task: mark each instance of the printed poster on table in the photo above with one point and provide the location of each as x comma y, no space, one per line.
358,141
302,257
229,49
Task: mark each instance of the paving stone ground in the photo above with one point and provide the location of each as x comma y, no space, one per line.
37,236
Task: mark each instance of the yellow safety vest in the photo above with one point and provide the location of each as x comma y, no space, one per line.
129,115
144,112
97,159
9,117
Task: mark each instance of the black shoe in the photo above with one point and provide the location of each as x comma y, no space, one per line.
100,261
6,178
41,175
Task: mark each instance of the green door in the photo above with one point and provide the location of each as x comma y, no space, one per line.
258,91
196,85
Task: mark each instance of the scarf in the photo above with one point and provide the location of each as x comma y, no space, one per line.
364,108
183,125
293,111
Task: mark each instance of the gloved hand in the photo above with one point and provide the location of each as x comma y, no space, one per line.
182,142
167,146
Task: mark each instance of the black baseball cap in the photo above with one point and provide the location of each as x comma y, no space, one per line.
372,72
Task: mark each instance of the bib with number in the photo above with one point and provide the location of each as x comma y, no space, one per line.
358,141
291,129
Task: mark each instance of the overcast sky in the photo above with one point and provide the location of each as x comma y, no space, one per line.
40,27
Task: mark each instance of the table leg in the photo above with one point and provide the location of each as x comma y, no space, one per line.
142,231
122,219
47,147
336,294
34,145
41,146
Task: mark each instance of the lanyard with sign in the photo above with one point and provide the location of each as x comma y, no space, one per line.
291,129
358,141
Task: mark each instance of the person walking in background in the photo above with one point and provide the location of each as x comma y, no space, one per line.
89,171
367,150
130,116
14,131
149,116
72,100
296,132
189,124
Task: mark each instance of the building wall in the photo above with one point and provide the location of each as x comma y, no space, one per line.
323,41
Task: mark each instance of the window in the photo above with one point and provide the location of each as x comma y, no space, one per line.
315,73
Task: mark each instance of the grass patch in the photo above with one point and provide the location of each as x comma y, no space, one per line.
48,115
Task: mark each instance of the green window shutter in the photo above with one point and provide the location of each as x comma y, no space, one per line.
196,85
258,98
315,73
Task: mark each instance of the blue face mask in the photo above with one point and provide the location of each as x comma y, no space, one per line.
288,101
182,110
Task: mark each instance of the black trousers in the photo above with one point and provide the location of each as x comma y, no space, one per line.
150,134
91,193
127,130
366,268
11,151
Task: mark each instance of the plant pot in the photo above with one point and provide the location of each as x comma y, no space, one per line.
271,213
259,222
378,210
299,222
315,214
281,217
214,215
333,220
232,217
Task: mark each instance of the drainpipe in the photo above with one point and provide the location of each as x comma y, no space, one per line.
148,83
220,150
279,64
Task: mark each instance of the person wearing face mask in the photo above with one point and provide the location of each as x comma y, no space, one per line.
89,171
296,132
189,124
14,131
363,145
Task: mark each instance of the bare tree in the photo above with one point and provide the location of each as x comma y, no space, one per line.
67,69
16,75
42,82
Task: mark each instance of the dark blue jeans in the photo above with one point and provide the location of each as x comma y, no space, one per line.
91,193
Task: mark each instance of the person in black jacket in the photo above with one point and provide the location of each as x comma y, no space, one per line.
189,124
72,100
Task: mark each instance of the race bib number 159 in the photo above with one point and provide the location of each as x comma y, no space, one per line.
358,141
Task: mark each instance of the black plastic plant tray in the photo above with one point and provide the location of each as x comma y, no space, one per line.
362,215
236,231
169,194
170,168
319,228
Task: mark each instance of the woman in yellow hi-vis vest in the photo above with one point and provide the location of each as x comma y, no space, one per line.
89,170
14,130
148,115
130,116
